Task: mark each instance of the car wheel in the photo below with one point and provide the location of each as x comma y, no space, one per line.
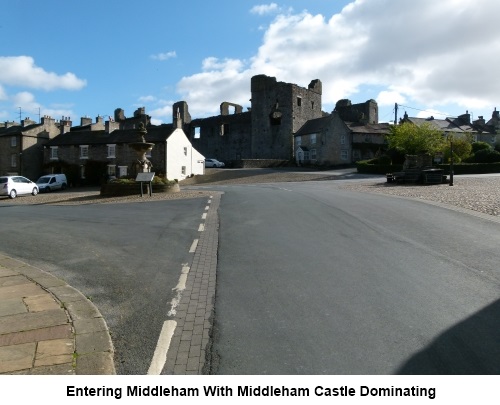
13,194
63,187
48,189
35,191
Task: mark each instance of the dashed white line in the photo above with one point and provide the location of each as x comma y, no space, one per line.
201,228
204,215
192,249
160,354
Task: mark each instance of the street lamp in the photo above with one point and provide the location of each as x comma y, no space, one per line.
450,138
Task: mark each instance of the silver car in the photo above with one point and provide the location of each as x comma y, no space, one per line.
17,185
213,163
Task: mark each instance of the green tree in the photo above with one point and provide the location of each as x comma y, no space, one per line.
462,148
416,139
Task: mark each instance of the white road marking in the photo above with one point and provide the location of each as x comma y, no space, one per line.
192,249
160,354
201,228
207,208
209,201
204,215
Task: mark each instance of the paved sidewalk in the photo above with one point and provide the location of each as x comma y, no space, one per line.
48,327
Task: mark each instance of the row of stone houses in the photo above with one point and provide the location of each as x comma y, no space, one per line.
93,152
284,123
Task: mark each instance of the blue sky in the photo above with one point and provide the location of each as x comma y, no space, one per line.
74,59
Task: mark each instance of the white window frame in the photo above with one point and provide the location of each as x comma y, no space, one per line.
306,155
123,171
312,139
298,141
54,153
84,152
111,170
342,140
13,141
344,154
111,151
313,154
13,160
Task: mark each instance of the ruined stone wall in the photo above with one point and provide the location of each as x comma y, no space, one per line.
224,137
278,110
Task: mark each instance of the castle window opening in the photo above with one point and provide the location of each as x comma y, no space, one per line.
197,133
299,101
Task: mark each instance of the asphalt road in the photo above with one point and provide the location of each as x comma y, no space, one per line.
316,280
126,258
311,279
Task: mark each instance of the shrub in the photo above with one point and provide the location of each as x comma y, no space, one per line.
487,156
477,146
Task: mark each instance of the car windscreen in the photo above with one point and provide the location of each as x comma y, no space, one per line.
43,180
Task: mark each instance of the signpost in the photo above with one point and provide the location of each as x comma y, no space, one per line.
146,177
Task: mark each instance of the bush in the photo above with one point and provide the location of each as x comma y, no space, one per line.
477,146
487,156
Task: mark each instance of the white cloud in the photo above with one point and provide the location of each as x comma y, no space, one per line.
426,52
265,9
22,71
3,94
390,97
164,55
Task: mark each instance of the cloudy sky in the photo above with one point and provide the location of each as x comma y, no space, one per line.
74,59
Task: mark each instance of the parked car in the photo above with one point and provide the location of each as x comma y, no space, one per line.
213,163
51,182
17,185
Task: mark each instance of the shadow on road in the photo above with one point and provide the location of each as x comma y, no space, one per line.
471,347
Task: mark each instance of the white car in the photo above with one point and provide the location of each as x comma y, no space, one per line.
213,163
17,185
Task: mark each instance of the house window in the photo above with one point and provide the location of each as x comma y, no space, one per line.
111,170
122,170
313,154
224,129
184,170
111,151
13,141
306,155
54,155
313,139
185,151
298,141
344,154
342,140
82,171
84,152
13,160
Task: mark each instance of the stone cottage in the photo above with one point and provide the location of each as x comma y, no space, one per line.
91,153
21,146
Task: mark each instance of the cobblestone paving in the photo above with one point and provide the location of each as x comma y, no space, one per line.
477,194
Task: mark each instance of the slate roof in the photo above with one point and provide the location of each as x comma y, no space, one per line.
447,125
155,134
359,128
314,126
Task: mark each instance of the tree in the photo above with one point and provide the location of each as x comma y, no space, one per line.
416,139
462,148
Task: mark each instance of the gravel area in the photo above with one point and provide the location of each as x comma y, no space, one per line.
477,194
